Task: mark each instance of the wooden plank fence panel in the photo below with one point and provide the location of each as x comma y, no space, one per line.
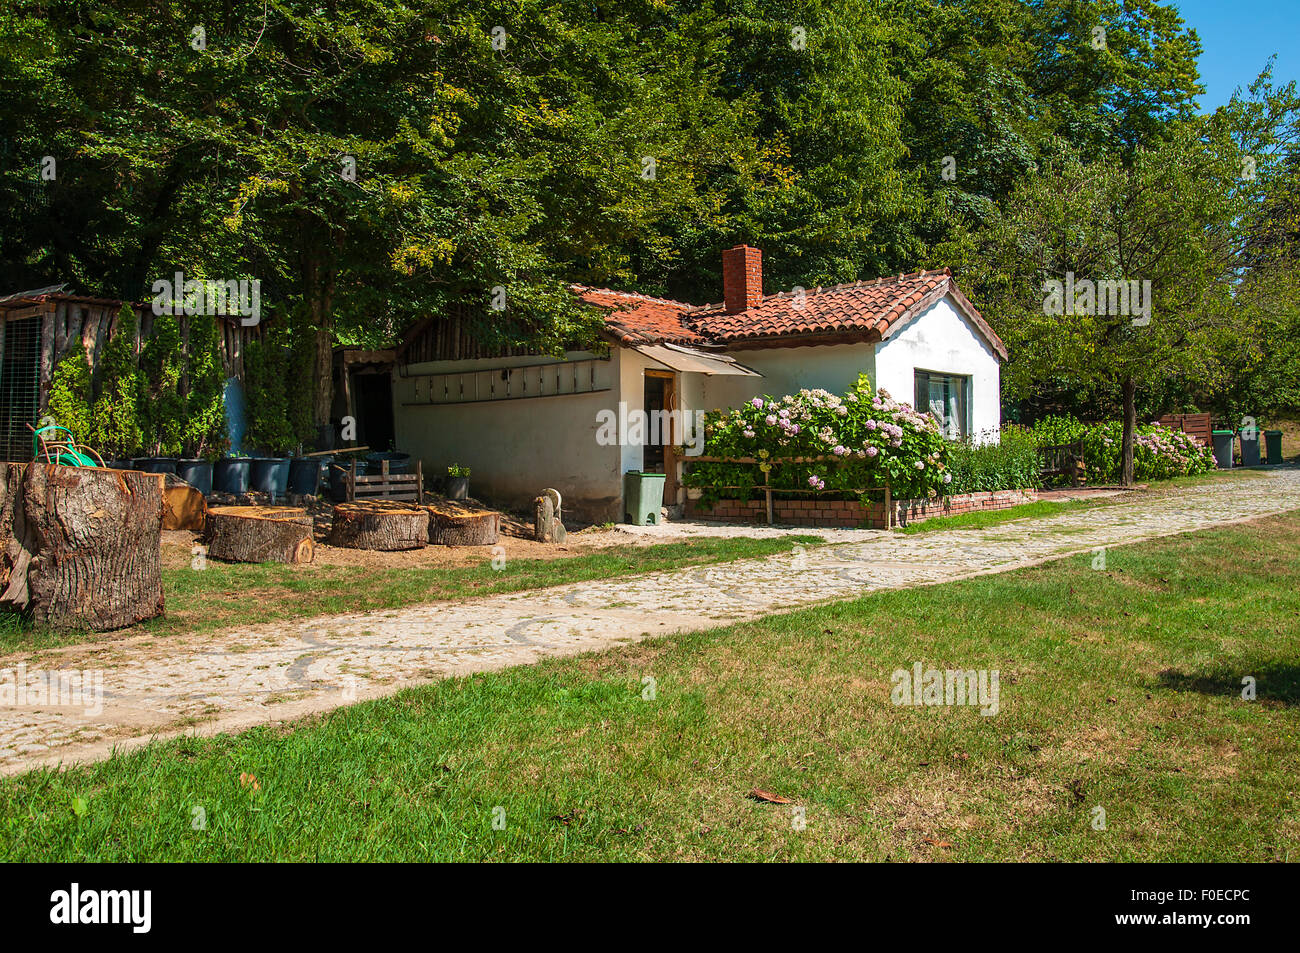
1197,426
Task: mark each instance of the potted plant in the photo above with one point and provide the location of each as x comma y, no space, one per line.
457,482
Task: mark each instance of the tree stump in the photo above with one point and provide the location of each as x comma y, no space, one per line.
80,546
547,527
452,526
259,534
184,508
378,525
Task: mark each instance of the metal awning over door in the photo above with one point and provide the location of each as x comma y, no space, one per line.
690,361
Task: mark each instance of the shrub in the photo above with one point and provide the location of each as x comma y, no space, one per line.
866,438
1011,464
1055,430
205,404
116,428
70,402
163,407
1158,452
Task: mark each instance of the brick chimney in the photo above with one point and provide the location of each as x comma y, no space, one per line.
742,278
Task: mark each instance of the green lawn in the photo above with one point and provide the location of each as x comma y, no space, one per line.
1119,688
232,594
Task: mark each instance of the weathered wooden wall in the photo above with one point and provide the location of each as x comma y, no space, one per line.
67,319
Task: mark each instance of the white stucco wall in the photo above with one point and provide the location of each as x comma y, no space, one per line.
944,341
786,370
515,448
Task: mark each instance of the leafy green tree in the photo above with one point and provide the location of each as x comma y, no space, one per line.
1167,220
204,432
162,403
266,389
70,393
117,429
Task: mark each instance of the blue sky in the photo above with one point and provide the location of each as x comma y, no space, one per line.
1238,37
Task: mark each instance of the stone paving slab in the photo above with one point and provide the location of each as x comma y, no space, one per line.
212,682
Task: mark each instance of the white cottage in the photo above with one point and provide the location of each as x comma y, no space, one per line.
522,422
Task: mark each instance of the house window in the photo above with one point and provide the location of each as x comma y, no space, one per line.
947,396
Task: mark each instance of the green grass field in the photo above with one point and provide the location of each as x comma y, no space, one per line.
1120,689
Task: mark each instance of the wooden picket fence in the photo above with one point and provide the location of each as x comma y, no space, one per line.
768,489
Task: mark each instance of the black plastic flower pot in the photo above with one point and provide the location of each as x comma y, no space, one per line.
397,463
269,475
197,473
156,464
231,476
117,463
304,476
457,488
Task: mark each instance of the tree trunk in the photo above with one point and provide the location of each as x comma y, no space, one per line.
1130,429
455,527
80,547
382,526
260,534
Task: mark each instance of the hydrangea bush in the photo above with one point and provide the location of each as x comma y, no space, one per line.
1158,452
866,437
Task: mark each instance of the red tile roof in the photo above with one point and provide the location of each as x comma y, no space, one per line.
874,309
641,319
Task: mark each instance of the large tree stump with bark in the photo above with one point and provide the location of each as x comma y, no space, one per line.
453,526
80,546
378,525
259,534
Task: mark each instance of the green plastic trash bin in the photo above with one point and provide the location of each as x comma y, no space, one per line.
1273,444
643,497
1249,447
1223,441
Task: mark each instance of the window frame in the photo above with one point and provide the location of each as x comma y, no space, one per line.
921,380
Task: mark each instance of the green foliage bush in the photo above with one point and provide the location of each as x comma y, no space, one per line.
278,388
162,406
1159,453
1013,463
204,432
70,403
1056,430
116,429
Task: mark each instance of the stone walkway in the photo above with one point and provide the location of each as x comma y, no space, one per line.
214,682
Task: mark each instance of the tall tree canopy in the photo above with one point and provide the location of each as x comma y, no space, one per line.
372,162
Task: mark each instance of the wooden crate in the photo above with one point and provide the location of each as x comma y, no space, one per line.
385,485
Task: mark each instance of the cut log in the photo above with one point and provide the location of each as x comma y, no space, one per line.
379,525
80,547
184,508
260,534
450,526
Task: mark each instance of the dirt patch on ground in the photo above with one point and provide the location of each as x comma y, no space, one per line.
178,550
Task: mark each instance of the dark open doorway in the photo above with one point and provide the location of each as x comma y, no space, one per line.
374,409
652,452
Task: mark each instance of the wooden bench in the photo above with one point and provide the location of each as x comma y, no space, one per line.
386,486
1064,459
